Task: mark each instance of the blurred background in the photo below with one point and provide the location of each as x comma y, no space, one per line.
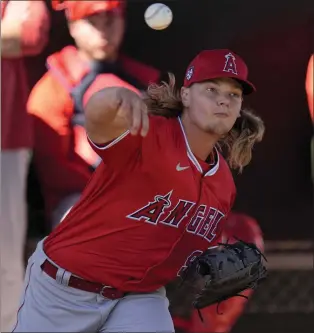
276,40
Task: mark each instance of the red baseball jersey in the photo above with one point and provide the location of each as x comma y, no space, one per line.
147,212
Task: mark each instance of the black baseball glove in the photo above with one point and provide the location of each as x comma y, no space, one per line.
224,272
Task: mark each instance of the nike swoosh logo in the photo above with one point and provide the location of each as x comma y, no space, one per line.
180,168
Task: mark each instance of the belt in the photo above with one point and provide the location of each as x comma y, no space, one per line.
81,284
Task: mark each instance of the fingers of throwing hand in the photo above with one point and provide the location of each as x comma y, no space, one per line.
140,120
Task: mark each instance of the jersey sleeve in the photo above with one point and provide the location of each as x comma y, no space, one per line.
129,150
125,147
119,151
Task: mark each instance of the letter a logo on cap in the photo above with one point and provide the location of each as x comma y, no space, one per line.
230,65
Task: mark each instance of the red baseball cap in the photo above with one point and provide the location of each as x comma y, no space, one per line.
76,10
214,64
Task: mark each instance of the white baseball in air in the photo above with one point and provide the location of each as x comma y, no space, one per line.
158,16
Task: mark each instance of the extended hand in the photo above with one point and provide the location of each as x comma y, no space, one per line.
134,110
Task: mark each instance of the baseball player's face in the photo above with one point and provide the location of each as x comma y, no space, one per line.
99,35
214,106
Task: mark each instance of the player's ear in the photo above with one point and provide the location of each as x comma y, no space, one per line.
185,96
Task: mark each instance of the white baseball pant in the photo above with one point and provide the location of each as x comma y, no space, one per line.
51,306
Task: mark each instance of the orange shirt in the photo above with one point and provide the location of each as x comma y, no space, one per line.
61,152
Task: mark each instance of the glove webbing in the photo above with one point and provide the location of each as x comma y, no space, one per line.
227,245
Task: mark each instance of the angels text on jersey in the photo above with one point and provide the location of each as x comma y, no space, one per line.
201,220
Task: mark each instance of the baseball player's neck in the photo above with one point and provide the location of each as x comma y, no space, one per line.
201,142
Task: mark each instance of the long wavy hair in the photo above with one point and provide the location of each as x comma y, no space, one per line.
164,100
